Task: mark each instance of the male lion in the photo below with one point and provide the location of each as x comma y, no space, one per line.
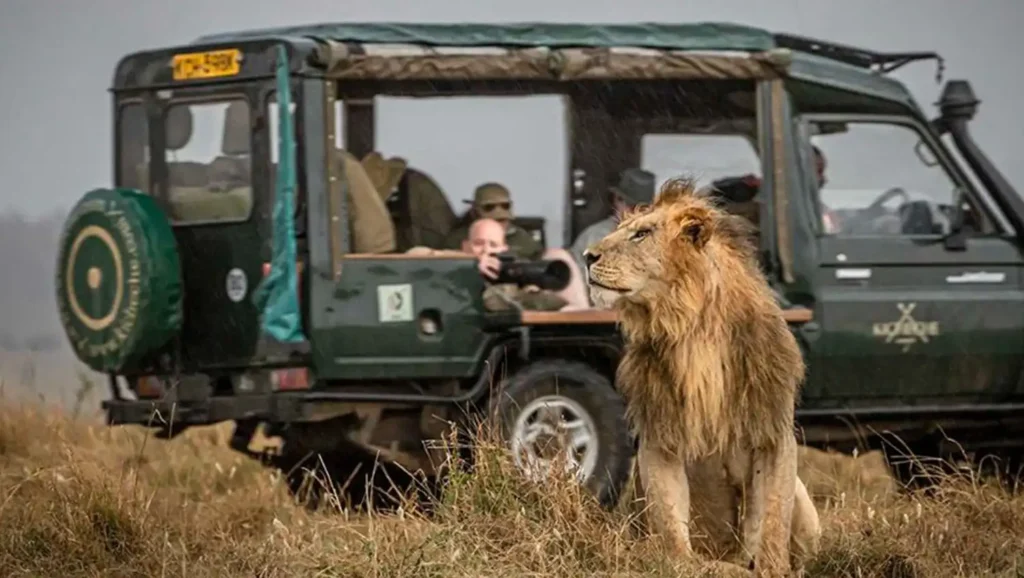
710,376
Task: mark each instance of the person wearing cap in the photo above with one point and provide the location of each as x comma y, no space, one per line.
493,201
635,187
742,190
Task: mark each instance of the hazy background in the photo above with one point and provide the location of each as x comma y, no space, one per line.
57,58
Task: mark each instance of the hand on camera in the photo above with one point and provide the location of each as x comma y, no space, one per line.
489,266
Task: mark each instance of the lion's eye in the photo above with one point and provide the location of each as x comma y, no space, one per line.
640,234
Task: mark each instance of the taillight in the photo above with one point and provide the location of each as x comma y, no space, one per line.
288,379
147,386
295,378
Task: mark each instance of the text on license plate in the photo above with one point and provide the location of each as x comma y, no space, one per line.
207,64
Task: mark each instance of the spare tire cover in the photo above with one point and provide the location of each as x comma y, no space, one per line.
119,289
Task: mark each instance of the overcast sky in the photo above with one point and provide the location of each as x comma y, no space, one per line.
57,59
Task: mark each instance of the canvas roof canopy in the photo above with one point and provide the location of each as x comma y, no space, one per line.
690,36
535,51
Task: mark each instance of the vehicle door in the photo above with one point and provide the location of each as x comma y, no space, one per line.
385,315
214,203
902,316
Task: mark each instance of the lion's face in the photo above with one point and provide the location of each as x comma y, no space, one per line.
652,247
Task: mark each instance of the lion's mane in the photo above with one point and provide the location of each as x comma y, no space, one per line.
710,364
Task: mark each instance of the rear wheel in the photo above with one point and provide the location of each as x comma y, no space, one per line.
559,412
118,284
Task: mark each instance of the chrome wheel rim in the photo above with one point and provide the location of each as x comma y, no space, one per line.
553,429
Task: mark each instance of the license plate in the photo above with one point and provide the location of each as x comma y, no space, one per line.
211,64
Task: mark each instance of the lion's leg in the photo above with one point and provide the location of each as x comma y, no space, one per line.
668,497
636,502
806,532
768,515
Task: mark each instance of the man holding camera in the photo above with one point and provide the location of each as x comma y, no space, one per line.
486,241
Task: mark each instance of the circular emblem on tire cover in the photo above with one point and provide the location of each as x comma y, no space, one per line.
118,279
99,304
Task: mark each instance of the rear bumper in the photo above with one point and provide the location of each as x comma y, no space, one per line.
194,407
270,407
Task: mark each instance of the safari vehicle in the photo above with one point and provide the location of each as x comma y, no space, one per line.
222,284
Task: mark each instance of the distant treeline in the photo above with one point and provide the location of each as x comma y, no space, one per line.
28,256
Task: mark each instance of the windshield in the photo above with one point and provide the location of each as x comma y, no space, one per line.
878,178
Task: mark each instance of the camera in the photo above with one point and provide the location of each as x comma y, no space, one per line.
547,274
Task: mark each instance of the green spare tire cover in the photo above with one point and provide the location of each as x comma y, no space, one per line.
119,289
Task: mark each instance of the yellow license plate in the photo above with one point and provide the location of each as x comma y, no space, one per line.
212,64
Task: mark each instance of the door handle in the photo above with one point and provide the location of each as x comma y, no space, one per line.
977,277
847,273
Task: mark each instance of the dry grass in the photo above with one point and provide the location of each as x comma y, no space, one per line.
81,499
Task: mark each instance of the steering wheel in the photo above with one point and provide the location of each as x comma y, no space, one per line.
876,209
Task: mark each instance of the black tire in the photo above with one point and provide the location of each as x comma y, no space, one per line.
594,393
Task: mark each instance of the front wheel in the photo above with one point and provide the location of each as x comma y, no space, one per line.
554,407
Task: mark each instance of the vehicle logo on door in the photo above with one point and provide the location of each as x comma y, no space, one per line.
906,331
394,303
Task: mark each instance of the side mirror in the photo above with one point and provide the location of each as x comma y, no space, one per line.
925,155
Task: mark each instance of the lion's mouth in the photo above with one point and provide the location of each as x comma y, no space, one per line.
596,283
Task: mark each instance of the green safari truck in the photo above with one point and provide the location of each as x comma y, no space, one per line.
223,277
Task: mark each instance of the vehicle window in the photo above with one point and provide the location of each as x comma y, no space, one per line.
133,147
460,143
709,159
878,180
209,167
728,163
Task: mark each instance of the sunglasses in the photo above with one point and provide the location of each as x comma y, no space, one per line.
488,207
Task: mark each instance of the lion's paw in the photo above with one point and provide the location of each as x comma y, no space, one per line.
724,569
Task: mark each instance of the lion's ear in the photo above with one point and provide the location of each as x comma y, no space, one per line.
695,226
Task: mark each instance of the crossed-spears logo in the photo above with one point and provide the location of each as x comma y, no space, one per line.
906,330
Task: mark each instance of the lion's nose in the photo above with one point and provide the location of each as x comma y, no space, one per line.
591,258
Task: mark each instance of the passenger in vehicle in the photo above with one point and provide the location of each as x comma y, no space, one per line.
486,239
741,194
369,219
635,186
829,222
493,201
430,217
385,174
